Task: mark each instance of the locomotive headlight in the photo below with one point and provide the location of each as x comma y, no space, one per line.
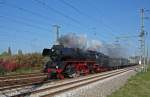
52,50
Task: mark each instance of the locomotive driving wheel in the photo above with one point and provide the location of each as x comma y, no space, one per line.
71,71
74,75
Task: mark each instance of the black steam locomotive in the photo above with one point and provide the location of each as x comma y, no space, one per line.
73,62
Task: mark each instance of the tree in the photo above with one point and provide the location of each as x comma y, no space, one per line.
4,54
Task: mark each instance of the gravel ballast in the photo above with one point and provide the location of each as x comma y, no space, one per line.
101,88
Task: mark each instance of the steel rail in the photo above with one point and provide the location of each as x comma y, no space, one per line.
20,75
75,81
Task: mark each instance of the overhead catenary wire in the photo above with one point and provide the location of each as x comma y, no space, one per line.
24,40
86,15
114,30
18,30
39,15
29,11
80,12
103,37
58,12
22,22
34,13
101,14
26,10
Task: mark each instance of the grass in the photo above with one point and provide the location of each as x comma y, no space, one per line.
137,86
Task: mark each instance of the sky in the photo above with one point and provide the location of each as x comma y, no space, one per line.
28,24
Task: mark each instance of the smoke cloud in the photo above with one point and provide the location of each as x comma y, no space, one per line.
115,51
72,40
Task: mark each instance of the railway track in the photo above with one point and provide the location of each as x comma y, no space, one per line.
14,81
51,91
19,75
53,88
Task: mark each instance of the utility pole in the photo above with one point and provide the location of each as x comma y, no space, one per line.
147,57
142,42
147,48
57,31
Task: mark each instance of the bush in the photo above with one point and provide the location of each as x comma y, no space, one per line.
2,70
16,62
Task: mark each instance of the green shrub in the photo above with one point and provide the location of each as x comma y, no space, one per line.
2,70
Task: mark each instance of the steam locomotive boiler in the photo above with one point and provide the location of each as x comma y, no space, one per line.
72,62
